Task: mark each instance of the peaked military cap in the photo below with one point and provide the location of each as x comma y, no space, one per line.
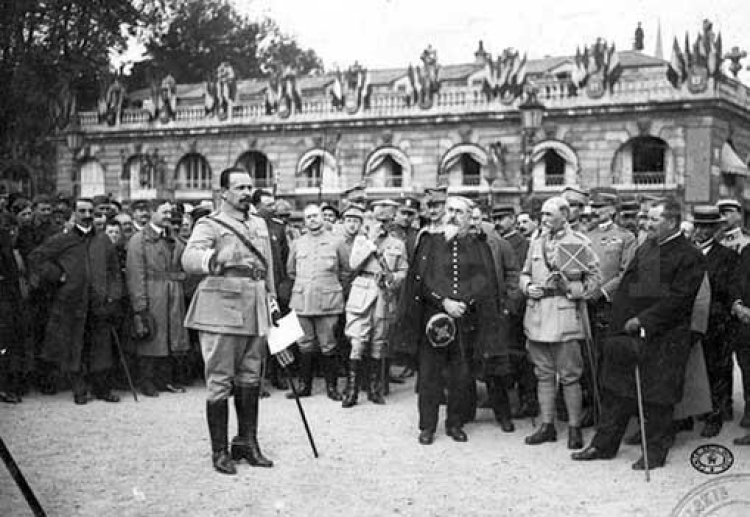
576,194
604,196
409,203
354,210
503,210
328,206
724,204
437,194
355,194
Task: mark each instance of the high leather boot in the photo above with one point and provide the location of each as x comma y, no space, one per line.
375,387
245,444
545,433
330,371
498,397
351,393
217,414
304,388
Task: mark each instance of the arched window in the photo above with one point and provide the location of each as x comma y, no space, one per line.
554,164
193,173
642,160
462,166
317,169
140,176
259,167
92,178
387,167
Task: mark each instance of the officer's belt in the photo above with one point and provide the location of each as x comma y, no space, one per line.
550,292
175,276
253,273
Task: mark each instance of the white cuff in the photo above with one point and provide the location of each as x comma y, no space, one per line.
206,261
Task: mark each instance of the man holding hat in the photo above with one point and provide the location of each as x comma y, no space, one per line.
734,236
448,315
717,345
577,199
380,264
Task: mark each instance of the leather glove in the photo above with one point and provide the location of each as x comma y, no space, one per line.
141,326
275,317
632,326
285,358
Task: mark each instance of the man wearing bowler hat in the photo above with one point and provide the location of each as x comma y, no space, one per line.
717,345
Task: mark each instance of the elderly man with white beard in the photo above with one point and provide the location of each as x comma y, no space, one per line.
449,313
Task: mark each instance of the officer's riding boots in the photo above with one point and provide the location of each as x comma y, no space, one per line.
352,384
304,388
330,370
217,414
375,386
245,444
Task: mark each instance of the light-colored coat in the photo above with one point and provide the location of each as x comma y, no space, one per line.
555,319
155,283
365,291
317,264
223,304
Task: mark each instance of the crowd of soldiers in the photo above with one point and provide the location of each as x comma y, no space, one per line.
453,290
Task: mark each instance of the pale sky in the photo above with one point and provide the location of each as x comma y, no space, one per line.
393,33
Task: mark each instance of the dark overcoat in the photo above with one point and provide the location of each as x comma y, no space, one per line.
659,288
85,274
740,290
427,281
11,329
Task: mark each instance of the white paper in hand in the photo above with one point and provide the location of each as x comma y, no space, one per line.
288,331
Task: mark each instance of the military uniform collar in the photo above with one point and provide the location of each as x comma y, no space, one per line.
509,233
734,232
672,237
606,226
234,214
560,232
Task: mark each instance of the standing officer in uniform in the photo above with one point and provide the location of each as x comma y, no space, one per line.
379,261
403,224
317,265
555,285
577,199
505,223
232,309
717,345
734,235
614,247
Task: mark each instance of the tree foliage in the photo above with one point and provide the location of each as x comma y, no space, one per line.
49,52
201,34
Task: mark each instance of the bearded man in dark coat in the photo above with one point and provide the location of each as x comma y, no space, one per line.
453,274
82,266
651,313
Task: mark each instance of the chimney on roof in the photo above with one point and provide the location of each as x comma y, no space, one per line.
481,56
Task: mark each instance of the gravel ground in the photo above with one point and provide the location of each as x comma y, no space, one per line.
152,458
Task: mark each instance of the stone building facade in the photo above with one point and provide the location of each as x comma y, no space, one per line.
640,135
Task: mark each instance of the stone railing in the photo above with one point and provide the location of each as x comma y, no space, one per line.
554,94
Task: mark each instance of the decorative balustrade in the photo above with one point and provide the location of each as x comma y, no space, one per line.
553,93
554,180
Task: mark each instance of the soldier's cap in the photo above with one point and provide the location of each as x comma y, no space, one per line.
629,204
604,196
328,206
650,198
354,210
283,207
100,200
575,194
141,204
384,203
706,214
436,194
729,204
382,212
502,210
409,203
356,193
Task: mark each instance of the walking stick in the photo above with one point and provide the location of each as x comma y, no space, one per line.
15,472
642,420
301,411
123,363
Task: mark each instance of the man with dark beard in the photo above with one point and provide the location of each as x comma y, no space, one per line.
451,287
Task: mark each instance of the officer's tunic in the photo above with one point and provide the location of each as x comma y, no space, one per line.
230,308
370,309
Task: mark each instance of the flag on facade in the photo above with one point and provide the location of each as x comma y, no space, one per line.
688,55
676,72
614,67
718,58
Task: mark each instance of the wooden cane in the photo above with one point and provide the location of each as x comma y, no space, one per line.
642,420
301,411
